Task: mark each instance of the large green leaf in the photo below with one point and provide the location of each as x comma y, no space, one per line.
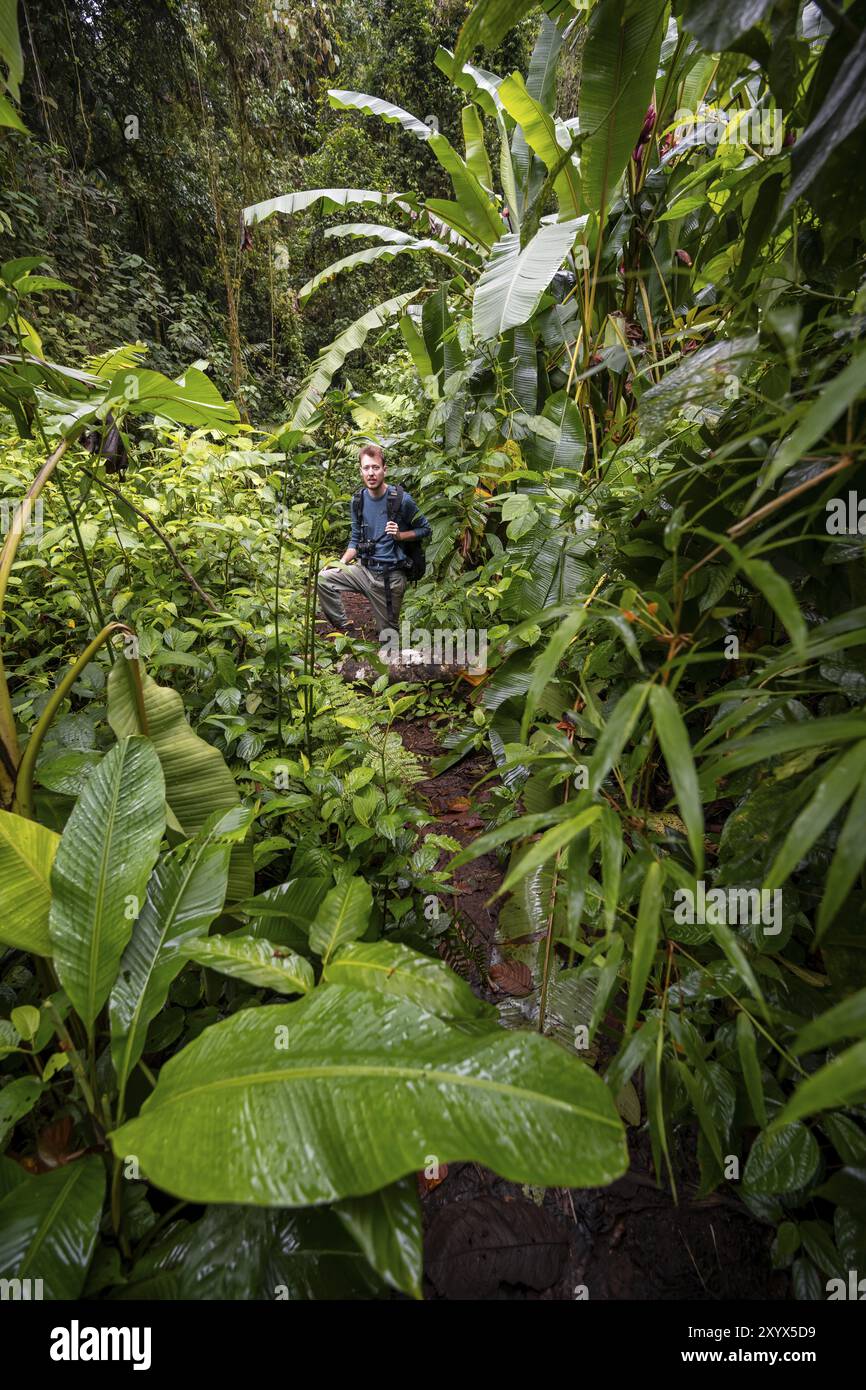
49,1225
376,106
254,959
845,1020
348,1090
567,449
392,968
476,152
618,72
539,133
104,859
27,852
490,20
186,892
342,917
413,245
331,358
387,1227
847,862
332,200
197,779
511,286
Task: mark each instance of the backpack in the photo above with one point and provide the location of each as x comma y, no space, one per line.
415,564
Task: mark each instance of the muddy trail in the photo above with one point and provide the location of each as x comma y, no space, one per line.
489,1239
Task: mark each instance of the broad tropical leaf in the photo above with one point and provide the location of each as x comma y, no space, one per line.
332,199
619,69
254,959
375,253
392,968
511,286
186,892
49,1225
103,862
361,1091
197,780
387,1227
342,917
539,132
27,852
332,357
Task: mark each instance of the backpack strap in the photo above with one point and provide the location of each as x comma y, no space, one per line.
394,503
358,506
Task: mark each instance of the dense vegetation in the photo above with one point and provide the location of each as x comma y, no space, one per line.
607,318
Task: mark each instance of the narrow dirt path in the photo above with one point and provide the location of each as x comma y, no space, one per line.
489,1239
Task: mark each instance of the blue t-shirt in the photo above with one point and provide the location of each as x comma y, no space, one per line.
375,514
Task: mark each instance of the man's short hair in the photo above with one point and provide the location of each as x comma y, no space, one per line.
374,451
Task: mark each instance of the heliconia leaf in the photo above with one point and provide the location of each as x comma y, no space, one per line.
539,131
103,862
832,792
646,937
618,69
839,1083
186,892
332,357
510,288
198,782
48,1227
490,20
845,1020
417,348
566,449
375,106
254,959
392,968
476,153
349,1090
27,851
387,1226
332,199
416,246
750,1063
478,206
676,746
342,917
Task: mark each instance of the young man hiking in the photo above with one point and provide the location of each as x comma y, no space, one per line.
377,542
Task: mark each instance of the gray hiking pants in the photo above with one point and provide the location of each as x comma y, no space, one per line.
335,581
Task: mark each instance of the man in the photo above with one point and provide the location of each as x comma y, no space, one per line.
380,575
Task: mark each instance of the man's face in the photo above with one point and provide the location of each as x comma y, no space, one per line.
373,472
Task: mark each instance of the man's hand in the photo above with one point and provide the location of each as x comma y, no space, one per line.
391,529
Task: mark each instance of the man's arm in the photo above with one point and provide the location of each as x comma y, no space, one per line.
348,555
421,526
